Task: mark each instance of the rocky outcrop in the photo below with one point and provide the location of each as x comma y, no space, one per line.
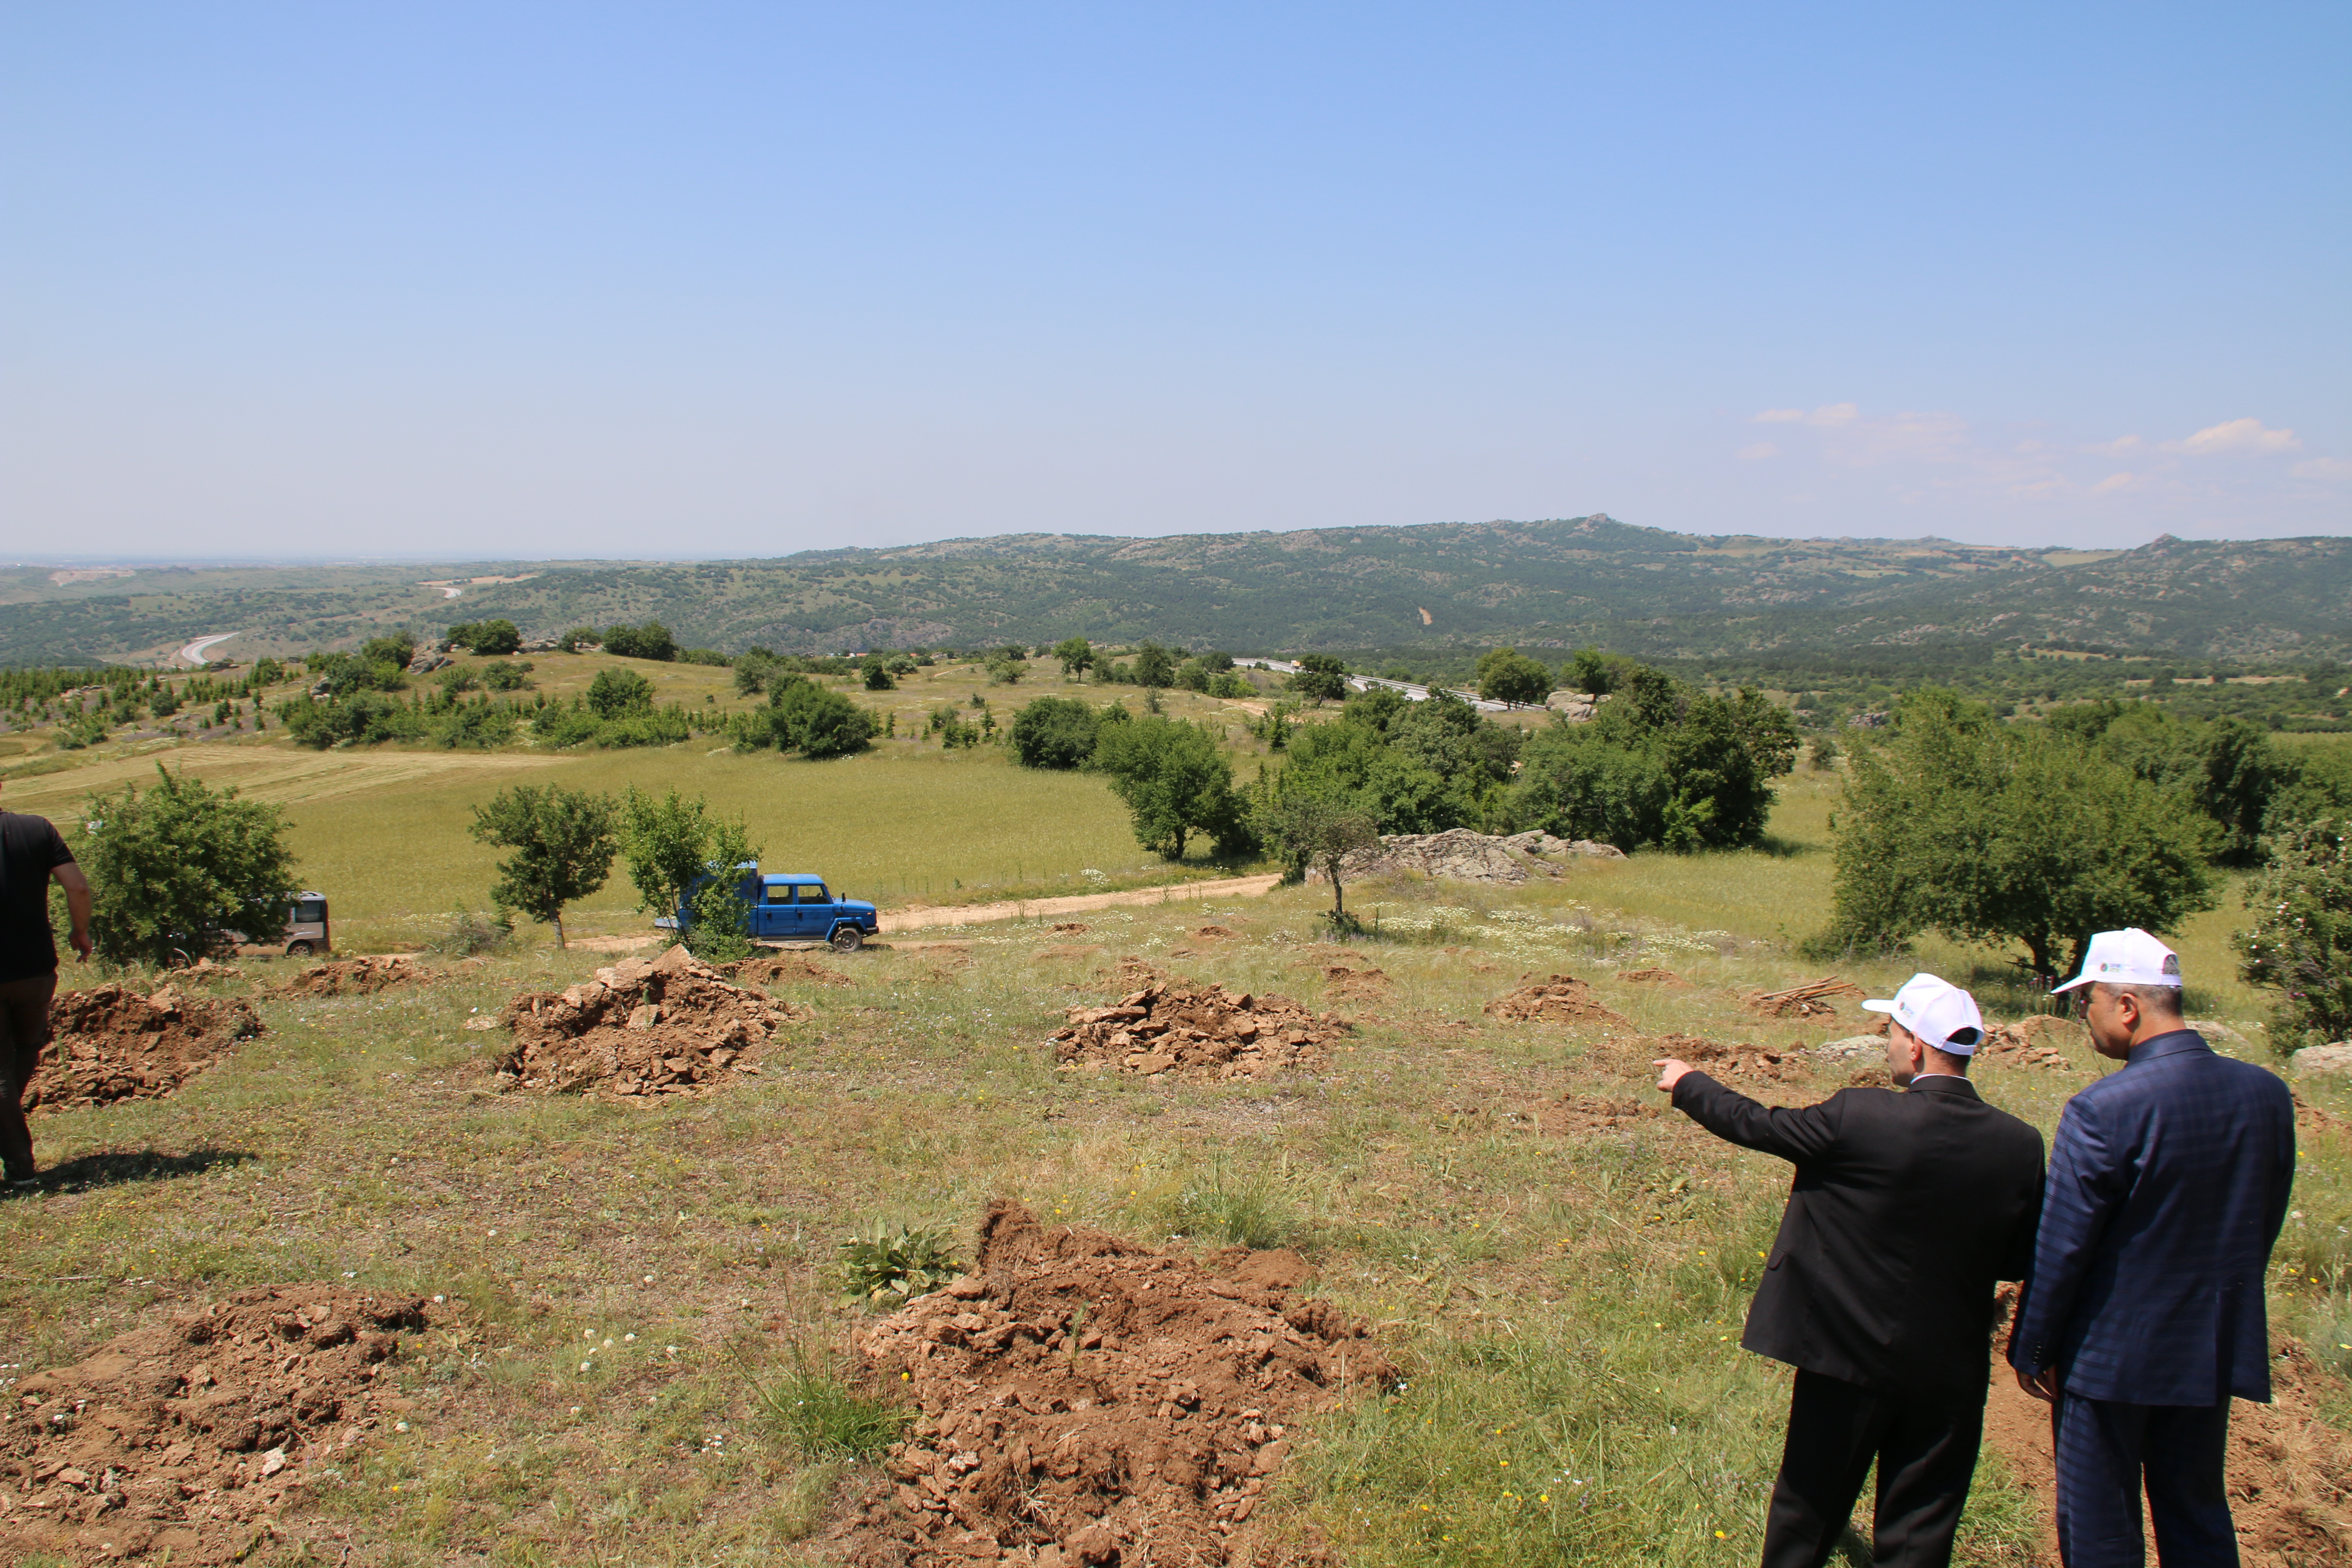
1462,856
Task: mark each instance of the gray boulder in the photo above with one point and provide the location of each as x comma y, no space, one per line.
2330,1059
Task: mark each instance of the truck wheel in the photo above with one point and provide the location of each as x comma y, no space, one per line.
847,939
298,950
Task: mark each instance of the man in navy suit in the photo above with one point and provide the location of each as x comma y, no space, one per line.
2144,1312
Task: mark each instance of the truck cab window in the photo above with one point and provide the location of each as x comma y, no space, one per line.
814,893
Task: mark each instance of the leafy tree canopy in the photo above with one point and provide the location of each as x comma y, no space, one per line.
177,868
563,841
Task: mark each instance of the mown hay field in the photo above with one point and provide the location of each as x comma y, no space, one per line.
1558,1267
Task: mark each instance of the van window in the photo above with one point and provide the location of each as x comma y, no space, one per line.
814,893
311,911
781,893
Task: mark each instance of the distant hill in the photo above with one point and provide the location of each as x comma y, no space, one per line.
1550,584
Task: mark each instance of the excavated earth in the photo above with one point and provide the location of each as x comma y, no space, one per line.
671,1025
2034,1041
181,1440
1461,855
1084,1400
1652,977
353,976
1195,1031
784,969
110,1043
1562,999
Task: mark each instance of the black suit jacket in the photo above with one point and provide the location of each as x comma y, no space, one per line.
1907,1206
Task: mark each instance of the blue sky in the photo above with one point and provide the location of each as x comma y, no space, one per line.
503,279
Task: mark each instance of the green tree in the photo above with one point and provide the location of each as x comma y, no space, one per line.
1589,670
1507,674
817,721
1176,781
1054,732
652,640
1155,668
2300,943
754,668
1006,665
488,637
563,841
178,868
1076,655
1314,829
666,844
1999,834
574,640
395,648
878,676
1322,678
619,693
718,923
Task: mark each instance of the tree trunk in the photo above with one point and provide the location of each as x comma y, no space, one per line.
2037,946
2082,951
557,921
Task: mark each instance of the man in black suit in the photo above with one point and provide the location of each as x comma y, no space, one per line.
1908,1206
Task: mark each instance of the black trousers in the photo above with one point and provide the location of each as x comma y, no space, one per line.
1927,1456
2108,1450
24,1030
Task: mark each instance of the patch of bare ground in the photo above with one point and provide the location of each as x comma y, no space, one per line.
784,969
1574,1114
1195,1031
354,977
1652,977
1085,1400
1066,953
1562,999
110,1043
183,1440
2290,1473
1352,982
2032,1042
643,1026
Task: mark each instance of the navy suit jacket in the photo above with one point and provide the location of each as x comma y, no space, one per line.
2168,1181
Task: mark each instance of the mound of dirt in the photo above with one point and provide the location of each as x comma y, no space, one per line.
2030,1043
181,1438
110,1043
2287,1466
1461,855
1195,1031
1651,977
671,1025
1733,1062
1812,999
784,969
1069,928
1348,981
1562,999
1068,953
1084,1400
352,977
1212,933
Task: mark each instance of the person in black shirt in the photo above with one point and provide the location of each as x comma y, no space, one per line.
32,855
1879,1289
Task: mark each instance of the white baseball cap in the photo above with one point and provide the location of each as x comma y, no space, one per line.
2130,957
1939,1011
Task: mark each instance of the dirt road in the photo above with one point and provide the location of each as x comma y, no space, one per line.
196,651
916,916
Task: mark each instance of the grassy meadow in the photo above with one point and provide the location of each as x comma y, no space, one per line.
619,1283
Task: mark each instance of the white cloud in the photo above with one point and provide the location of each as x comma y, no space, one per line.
2240,435
1761,450
1834,413
2323,469
2112,482
1780,416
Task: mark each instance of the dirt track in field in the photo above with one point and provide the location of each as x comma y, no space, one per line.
914,917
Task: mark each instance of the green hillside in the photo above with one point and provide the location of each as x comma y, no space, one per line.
1556,583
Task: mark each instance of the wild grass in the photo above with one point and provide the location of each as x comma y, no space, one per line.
1565,1305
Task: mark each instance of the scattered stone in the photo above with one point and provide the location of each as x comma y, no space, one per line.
1194,1032
2031,1042
110,1043
176,1439
1562,999
671,1025
1084,1400
1853,1047
1812,999
1462,856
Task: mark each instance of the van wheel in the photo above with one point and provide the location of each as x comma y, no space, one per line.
847,939
298,950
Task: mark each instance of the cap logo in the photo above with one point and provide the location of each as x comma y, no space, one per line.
2171,964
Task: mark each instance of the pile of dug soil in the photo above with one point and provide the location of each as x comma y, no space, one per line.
1651,977
352,977
671,1025
1461,855
1084,1400
110,1043
1068,928
784,969
1812,999
1195,1031
1733,1062
2031,1042
1562,999
1347,980
179,1439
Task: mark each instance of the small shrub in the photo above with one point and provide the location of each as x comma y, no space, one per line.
468,933
2301,940
885,1267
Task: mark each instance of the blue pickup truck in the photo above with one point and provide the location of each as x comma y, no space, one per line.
797,906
